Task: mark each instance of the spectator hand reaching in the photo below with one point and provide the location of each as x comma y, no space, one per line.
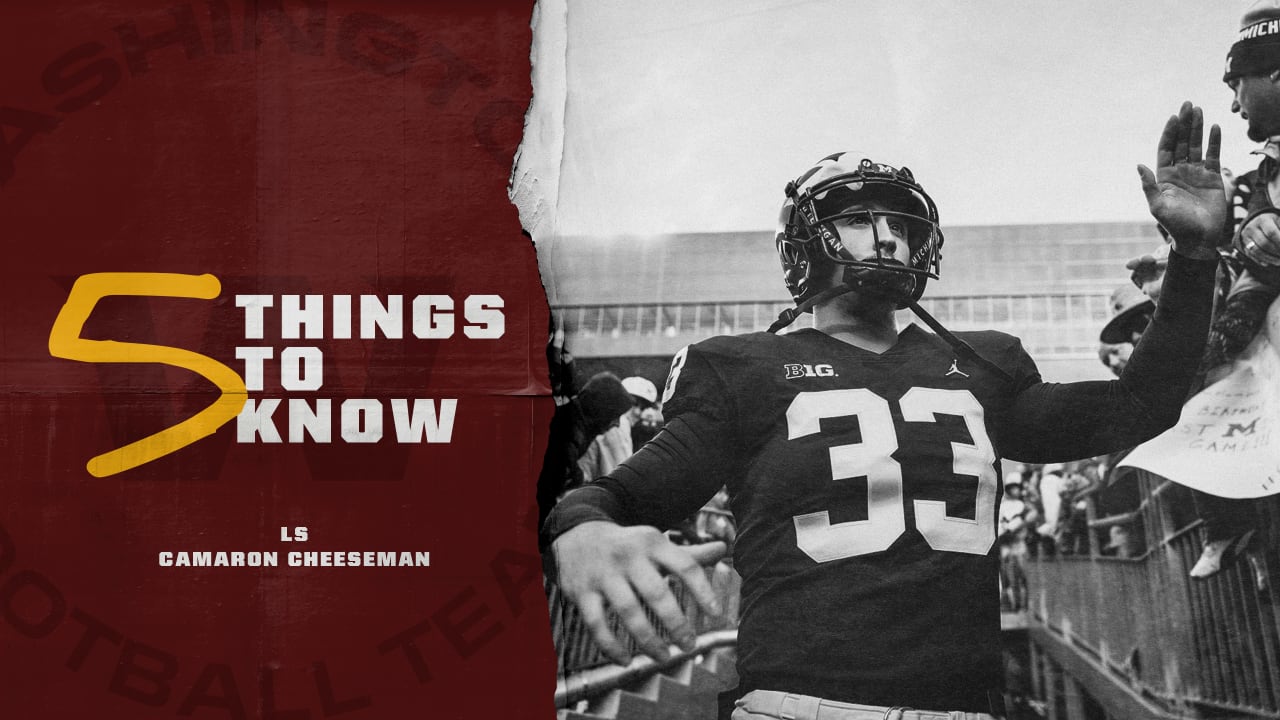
1259,240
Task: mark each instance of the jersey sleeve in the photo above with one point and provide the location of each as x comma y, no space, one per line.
675,473
1052,422
695,383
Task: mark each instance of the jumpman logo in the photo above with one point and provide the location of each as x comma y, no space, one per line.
955,370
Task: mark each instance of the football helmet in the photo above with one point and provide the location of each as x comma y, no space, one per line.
837,188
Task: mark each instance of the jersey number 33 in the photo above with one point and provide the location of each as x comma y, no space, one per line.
825,541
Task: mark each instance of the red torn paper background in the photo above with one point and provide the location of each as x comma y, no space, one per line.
287,148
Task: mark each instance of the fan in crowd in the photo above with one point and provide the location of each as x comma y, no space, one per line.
575,425
617,443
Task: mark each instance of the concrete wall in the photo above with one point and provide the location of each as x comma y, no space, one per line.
717,267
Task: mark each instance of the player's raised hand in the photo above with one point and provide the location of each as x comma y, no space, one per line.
1185,192
605,565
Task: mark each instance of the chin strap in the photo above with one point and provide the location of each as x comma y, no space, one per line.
788,316
961,347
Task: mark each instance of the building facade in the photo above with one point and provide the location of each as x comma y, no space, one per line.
636,300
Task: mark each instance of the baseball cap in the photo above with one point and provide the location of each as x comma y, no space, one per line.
1129,306
642,389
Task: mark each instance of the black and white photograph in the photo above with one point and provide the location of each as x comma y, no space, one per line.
912,360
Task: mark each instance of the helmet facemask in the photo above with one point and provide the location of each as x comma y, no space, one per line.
809,243
810,247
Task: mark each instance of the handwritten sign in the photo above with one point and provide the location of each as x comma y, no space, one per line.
1226,441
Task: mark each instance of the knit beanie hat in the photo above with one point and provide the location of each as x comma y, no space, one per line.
1257,46
602,400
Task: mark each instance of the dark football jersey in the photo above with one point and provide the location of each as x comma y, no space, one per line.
865,487
866,504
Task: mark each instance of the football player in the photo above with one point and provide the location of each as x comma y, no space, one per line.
863,461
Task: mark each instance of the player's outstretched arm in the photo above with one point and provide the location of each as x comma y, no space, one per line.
1185,192
1186,195
601,565
606,548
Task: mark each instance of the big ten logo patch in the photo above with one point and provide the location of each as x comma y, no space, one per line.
799,370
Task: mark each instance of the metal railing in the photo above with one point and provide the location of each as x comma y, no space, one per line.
576,651
1194,646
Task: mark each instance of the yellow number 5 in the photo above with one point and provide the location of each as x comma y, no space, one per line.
65,342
